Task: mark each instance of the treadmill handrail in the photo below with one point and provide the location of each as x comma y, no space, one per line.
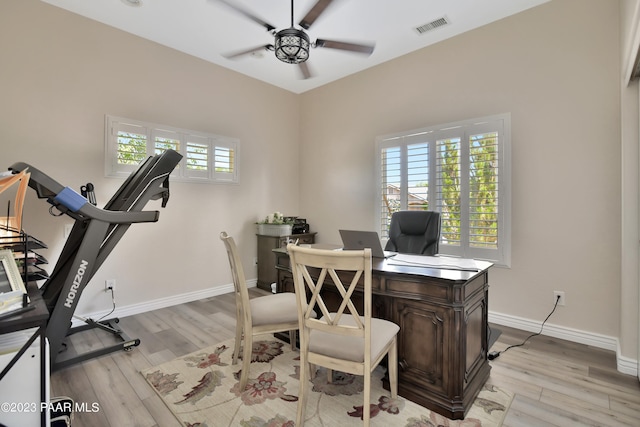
45,186
118,217
48,188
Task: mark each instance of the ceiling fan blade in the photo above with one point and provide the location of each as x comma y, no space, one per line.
247,14
314,13
352,47
304,69
248,51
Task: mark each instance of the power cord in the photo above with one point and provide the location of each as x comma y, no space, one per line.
495,354
113,302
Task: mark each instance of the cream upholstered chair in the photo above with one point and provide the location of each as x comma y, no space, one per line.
261,315
344,340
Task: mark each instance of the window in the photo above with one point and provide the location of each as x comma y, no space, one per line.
460,170
206,157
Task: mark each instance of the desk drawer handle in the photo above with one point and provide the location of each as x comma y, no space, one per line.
403,365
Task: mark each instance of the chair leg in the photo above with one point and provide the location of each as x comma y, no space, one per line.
246,361
302,392
393,369
313,371
366,408
236,347
292,338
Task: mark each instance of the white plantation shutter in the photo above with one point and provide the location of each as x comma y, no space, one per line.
418,176
206,157
390,187
198,153
225,161
449,204
404,167
164,140
129,147
459,169
483,188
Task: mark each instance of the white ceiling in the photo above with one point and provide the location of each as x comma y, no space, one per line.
208,29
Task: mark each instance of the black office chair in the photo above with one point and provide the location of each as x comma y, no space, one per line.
414,232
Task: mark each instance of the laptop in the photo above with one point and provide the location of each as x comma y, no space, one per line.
358,240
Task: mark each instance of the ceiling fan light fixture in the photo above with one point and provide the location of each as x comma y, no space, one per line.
292,46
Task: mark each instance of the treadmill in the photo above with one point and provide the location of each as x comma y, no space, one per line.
94,235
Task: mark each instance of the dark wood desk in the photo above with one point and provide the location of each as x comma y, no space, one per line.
442,343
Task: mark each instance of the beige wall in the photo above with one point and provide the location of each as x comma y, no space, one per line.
630,143
61,73
556,69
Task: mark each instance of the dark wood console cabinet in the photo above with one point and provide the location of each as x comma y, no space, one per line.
266,258
442,343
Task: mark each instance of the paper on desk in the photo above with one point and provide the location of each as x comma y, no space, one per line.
443,262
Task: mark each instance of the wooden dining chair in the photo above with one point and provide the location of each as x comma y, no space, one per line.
22,178
340,340
256,316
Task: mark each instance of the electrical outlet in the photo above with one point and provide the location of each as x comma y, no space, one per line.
109,284
557,294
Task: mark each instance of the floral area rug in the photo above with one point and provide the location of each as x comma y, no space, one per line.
201,389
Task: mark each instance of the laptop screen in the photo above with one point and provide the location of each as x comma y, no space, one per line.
358,240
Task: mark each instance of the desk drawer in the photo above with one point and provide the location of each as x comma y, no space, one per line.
434,291
303,239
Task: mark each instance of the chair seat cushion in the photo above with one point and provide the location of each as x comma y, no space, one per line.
276,308
350,348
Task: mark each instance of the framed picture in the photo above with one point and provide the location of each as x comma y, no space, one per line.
12,287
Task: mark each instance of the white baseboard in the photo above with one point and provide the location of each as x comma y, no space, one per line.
624,365
159,303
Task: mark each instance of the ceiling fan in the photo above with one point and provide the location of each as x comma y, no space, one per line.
292,44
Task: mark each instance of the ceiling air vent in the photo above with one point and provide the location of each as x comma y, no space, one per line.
432,25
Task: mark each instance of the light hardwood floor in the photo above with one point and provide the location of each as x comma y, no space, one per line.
556,383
